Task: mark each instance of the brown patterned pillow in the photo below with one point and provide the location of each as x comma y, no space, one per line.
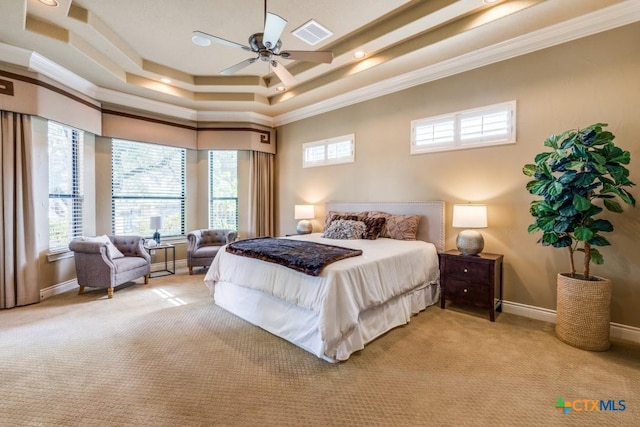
374,227
385,216
351,216
403,227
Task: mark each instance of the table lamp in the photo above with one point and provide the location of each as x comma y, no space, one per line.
156,224
470,242
304,213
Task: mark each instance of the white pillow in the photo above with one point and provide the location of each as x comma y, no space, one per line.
113,251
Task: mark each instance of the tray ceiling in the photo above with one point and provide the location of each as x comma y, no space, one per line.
139,54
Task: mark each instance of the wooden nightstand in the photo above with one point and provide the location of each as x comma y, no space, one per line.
472,280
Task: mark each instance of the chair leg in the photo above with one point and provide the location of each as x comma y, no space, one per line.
190,270
146,279
81,291
110,292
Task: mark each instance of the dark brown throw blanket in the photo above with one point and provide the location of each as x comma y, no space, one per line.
299,255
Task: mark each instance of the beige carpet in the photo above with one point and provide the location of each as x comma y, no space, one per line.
141,359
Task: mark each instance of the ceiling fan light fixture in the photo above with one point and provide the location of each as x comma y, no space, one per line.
200,41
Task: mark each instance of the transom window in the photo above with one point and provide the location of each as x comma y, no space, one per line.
330,151
66,189
484,126
147,180
223,189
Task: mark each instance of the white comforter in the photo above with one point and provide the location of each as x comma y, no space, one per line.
387,268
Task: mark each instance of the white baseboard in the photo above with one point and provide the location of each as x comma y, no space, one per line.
58,289
619,331
73,283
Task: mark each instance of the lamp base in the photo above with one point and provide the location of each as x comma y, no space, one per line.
304,227
470,242
156,236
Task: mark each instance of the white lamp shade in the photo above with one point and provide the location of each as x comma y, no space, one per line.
155,222
469,216
304,212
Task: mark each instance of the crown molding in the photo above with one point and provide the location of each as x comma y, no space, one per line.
52,70
593,23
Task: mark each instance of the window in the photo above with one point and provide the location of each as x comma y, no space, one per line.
331,151
147,180
223,189
485,126
66,191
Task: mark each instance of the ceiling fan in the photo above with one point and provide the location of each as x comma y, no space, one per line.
266,46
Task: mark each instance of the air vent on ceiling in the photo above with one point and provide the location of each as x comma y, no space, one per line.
312,33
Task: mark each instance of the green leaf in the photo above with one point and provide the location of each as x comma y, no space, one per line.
529,170
533,228
552,141
581,203
561,226
599,241
546,223
550,238
601,225
536,187
583,233
596,257
563,242
600,159
612,205
542,157
627,197
575,165
555,188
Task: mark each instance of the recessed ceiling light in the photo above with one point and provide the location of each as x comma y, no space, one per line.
52,3
489,1
165,80
281,88
359,54
200,41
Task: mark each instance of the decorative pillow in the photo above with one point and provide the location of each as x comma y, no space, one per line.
386,217
111,248
345,229
333,215
403,227
374,227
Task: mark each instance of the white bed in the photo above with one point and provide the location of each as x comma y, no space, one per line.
352,301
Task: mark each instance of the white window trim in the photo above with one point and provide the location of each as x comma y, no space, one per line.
456,143
351,138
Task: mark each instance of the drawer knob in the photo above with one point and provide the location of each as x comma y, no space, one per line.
465,270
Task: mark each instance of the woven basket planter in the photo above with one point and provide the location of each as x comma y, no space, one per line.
584,313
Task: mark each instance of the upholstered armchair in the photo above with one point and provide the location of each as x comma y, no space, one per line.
204,245
109,261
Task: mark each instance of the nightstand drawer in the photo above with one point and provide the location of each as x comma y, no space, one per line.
467,270
465,292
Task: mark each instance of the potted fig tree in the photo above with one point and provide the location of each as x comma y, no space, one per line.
580,175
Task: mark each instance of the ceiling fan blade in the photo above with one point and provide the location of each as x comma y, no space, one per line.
239,66
283,74
198,36
308,55
273,27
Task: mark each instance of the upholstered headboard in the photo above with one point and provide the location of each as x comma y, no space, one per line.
430,229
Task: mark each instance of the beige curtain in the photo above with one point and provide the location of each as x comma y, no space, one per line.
262,200
18,251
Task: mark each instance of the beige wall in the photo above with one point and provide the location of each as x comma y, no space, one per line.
576,84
